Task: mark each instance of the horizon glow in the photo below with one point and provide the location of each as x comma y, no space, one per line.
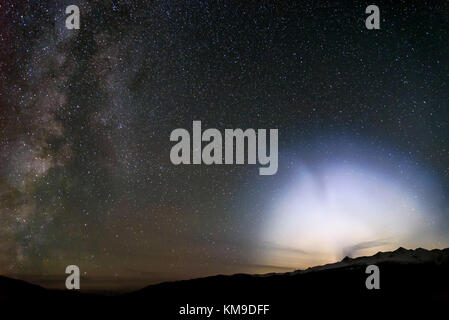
342,208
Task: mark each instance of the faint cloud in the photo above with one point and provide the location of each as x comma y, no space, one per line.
350,251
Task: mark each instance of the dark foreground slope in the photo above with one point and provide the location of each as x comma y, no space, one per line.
410,281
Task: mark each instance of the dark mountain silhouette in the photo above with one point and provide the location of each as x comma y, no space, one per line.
412,278
11,288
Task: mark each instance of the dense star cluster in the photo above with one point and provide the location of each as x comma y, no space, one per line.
86,116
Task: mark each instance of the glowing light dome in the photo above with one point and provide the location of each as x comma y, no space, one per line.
340,209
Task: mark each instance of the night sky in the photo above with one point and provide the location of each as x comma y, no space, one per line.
86,117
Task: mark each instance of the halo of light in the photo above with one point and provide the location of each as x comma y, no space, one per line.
337,209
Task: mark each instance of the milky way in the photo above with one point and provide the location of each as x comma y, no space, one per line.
86,116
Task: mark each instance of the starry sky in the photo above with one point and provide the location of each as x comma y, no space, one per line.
86,116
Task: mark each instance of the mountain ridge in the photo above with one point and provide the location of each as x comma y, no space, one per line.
416,276
399,256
